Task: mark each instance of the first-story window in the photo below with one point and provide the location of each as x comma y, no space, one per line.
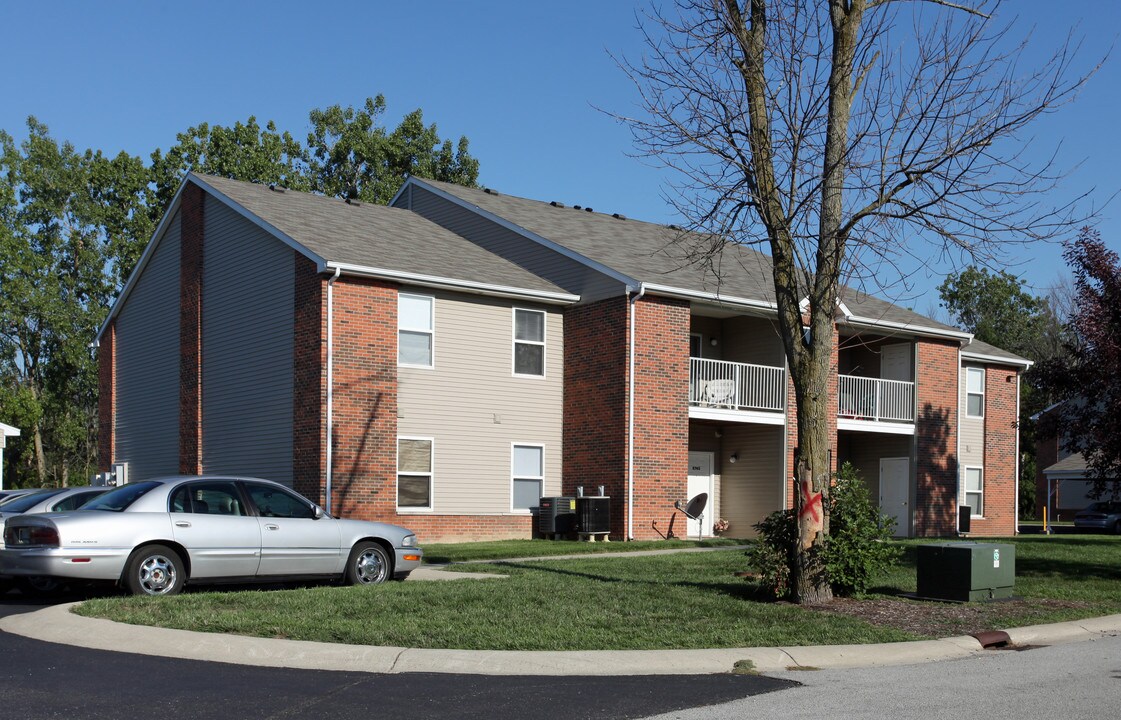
975,491
414,473
529,476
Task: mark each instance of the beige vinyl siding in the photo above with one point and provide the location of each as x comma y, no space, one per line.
865,450
147,350
474,406
752,340
248,290
573,276
751,488
971,438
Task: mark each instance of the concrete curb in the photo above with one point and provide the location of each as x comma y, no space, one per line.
58,624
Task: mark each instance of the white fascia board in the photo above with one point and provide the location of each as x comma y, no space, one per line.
270,229
676,292
757,417
145,257
443,283
8,430
631,283
886,428
921,330
996,359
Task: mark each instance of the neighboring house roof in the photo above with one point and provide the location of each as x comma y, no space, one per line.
1071,467
375,239
654,255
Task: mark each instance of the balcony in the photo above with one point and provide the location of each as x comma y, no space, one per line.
874,404
719,389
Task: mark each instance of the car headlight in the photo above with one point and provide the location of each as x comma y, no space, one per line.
409,541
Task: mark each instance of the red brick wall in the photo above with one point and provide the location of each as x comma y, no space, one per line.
595,402
466,528
661,417
106,397
190,329
365,400
936,430
999,478
309,380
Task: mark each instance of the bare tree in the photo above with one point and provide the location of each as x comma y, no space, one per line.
836,133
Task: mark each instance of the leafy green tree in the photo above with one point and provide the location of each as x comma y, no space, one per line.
52,267
353,156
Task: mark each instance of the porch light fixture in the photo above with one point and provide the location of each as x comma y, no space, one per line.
712,342
734,458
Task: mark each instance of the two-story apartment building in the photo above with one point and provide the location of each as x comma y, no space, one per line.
445,361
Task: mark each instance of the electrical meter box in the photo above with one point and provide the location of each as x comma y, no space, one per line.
965,572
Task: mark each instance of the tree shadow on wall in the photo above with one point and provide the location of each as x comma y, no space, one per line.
352,481
936,473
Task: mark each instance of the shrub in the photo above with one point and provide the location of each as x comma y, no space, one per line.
856,550
859,546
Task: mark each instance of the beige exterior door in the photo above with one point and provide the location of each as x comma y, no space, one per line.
701,481
895,362
895,493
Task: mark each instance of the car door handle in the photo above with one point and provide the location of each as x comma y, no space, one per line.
182,523
270,526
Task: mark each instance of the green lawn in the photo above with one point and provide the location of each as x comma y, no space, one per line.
504,549
685,600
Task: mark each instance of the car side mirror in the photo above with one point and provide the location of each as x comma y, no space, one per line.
319,513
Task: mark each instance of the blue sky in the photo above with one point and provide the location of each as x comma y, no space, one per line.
522,80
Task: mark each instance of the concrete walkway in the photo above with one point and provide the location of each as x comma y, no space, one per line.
58,624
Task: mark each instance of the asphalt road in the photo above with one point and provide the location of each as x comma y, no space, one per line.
45,680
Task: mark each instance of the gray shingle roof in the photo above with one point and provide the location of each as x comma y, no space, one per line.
375,236
979,347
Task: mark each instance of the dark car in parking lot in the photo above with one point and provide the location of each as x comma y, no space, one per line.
1104,515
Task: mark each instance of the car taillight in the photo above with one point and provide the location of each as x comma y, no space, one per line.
32,535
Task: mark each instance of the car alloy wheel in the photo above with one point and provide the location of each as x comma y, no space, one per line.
155,570
369,564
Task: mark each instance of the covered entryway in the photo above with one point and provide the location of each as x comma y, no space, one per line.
895,493
700,481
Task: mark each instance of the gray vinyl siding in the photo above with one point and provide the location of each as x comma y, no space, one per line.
147,358
474,407
752,487
573,276
247,345
743,339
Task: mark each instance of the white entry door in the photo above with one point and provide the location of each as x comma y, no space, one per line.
700,481
895,493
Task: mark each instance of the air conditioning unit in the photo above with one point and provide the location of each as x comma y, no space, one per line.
556,515
593,515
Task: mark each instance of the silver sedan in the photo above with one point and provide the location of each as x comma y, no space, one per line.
154,536
50,500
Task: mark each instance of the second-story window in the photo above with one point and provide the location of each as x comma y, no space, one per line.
975,392
415,330
529,342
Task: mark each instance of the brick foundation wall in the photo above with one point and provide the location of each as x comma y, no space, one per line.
190,329
1000,470
467,528
936,430
106,397
661,413
364,482
309,349
595,402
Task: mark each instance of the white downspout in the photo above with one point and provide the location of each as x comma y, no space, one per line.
330,385
630,414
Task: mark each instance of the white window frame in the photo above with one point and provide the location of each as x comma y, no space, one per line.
974,512
513,476
430,330
972,371
431,475
514,341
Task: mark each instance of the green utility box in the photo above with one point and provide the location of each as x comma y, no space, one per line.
965,572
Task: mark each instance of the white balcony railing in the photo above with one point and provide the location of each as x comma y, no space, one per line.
737,386
874,399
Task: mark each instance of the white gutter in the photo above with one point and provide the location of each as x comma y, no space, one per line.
920,330
1016,529
997,360
630,414
330,385
675,292
434,281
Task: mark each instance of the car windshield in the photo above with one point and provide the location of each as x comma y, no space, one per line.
119,499
24,502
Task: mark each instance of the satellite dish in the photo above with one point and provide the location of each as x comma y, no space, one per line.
696,506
